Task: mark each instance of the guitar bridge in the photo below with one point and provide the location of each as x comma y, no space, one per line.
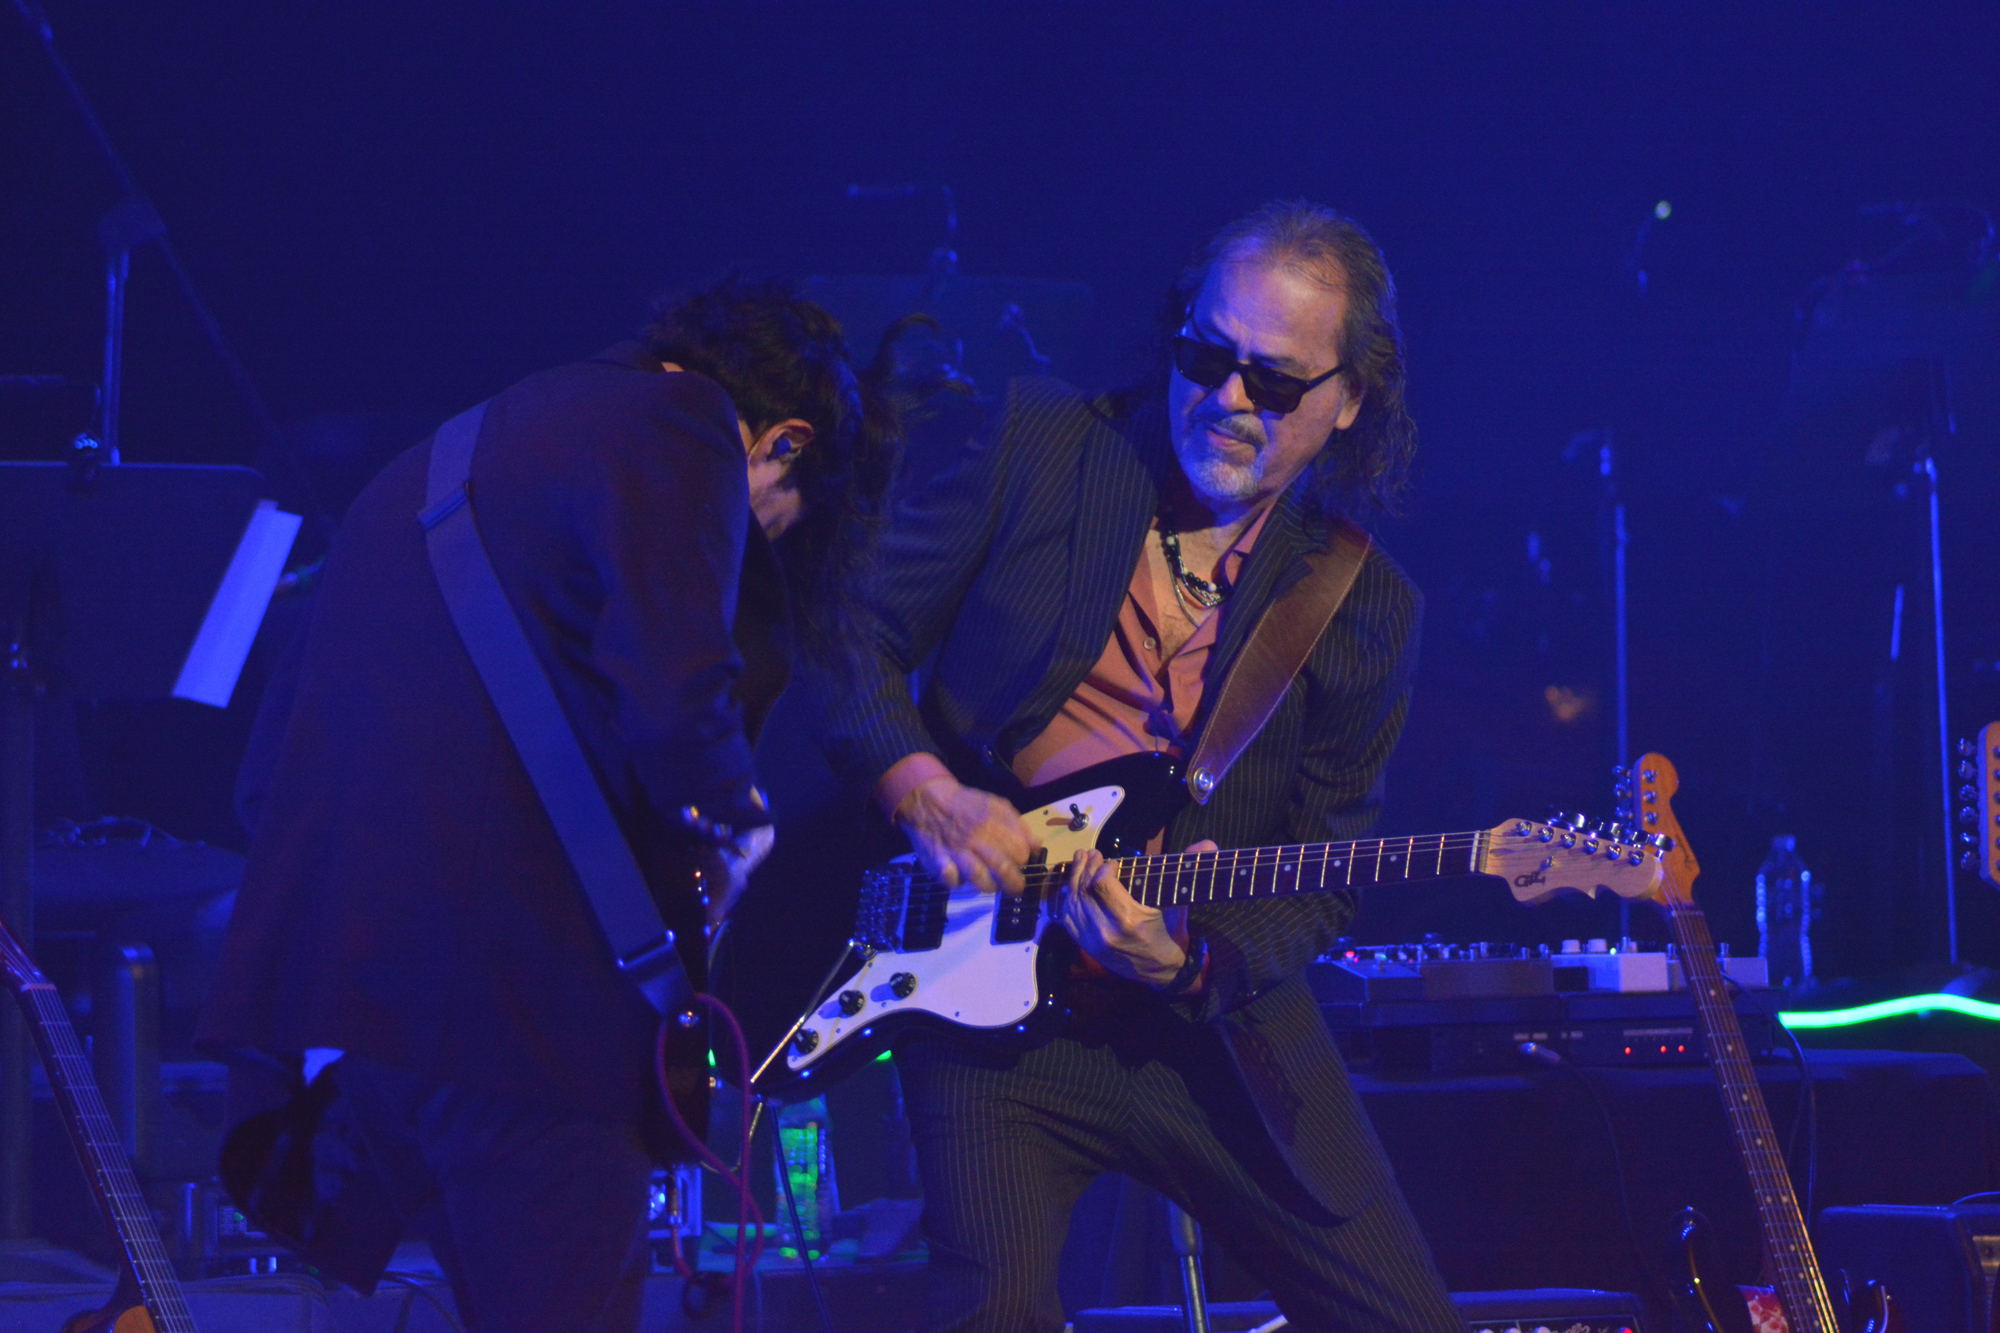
879,922
902,910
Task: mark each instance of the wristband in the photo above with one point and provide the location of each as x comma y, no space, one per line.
1190,972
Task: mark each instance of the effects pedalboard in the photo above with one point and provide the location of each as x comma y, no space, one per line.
1468,1008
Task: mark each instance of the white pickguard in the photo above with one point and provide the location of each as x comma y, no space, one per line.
968,979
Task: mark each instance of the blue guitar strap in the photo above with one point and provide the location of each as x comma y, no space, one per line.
535,722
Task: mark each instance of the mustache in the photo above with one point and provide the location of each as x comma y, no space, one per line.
1242,426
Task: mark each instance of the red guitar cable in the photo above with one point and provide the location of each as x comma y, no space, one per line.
747,1211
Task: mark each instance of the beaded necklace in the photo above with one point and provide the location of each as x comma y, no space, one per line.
1206,595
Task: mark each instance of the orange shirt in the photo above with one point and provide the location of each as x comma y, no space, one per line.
1135,699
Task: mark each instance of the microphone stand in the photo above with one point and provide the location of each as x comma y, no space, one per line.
134,222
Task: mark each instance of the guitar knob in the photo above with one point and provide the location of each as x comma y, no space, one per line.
903,985
851,1002
807,1041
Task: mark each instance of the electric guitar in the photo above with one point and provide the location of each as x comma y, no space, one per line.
149,1297
1979,803
971,961
1808,1306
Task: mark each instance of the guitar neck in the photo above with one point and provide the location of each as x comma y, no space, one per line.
1181,879
103,1155
1808,1308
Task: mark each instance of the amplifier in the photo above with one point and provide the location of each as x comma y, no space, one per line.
214,1239
1473,1036
1939,1265
1548,1310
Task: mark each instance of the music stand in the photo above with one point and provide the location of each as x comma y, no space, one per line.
116,582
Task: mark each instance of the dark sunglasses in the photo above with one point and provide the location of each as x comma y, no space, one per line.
1211,366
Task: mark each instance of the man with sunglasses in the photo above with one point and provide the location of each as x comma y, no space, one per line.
1083,574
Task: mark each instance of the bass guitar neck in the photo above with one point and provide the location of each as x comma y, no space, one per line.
149,1298
1781,1224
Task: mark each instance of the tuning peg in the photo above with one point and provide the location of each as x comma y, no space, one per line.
1618,771
1966,749
1968,815
1966,860
1968,795
1967,771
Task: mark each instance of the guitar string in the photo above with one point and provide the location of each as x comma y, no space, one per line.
1803,1286
97,1141
1185,863
1149,876
76,1087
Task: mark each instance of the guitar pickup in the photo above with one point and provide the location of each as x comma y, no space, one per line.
1015,918
924,913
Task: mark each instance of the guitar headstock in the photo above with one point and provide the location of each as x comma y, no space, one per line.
1539,860
1979,803
1648,795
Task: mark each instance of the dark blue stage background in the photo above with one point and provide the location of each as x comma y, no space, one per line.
397,210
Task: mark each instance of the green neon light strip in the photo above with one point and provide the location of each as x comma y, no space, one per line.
1909,1004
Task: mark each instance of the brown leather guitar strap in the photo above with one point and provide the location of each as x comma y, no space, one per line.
1277,647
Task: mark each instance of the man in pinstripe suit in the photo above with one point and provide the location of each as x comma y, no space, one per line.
1085,573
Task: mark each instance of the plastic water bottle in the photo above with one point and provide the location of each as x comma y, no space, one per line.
1787,905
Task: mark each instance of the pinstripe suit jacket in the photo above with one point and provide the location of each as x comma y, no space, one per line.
1011,565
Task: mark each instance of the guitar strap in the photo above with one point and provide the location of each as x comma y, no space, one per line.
1276,648
535,722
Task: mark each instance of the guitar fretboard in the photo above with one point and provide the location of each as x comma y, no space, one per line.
1184,878
103,1154
1808,1308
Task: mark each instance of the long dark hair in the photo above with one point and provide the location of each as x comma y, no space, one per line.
1365,470
780,356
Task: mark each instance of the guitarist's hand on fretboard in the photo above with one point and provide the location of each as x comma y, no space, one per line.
965,835
1126,937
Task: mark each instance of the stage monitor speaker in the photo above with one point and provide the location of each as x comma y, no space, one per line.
1938,1264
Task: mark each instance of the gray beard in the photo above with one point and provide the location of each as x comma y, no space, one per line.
1214,476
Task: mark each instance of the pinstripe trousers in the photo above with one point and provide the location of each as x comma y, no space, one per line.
1007,1142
